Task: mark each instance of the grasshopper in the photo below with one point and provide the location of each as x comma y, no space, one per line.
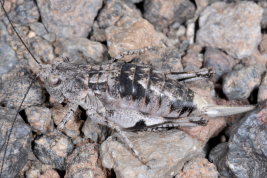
125,96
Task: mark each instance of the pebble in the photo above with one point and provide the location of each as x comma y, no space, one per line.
85,162
263,4
55,156
38,28
67,19
8,58
262,94
234,28
165,152
33,173
221,62
19,142
244,154
72,127
25,13
4,35
40,119
198,167
192,59
82,50
50,37
131,35
263,44
51,173
238,84
114,10
94,131
162,13
13,91
163,59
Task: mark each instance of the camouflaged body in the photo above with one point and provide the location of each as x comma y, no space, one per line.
123,85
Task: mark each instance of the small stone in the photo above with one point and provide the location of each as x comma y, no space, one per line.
13,91
234,28
238,84
67,18
50,37
198,167
38,28
115,10
25,13
4,35
32,173
163,59
255,58
246,152
165,153
221,62
8,58
82,50
19,142
263,4
263,44
85,162
162,13
94,131
56,155
192,58
262,94
181,31
72,127
40,119
98,35
131,35
51,173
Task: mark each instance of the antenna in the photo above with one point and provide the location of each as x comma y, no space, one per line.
7,142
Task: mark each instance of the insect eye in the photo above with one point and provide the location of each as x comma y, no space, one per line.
53,80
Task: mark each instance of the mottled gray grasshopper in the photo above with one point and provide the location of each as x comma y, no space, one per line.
126,96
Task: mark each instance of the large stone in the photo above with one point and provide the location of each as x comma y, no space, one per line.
234,28
165,153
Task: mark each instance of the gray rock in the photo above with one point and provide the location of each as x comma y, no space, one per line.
114,10
247,154
94,131
50,37
82,50
262,94
85,162
72,18
19,142
40,119
55,156
263,4
4,35
163,13
38,28
238,84
234,28
221,62
8,58
25,13
165,152
13,91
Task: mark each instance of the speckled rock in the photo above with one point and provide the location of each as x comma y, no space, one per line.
13,91
81,50
25,13
4,35
234,28
162,13
246,153
263,4
131,35
94,131
198,167
262,94
72,127
163,59
66,18
38,28
19,142
85,162
114,10
8,58
32,173
192,59
165,153
51,173
40,119
55,156
238,84
263,44
221,62
50,37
